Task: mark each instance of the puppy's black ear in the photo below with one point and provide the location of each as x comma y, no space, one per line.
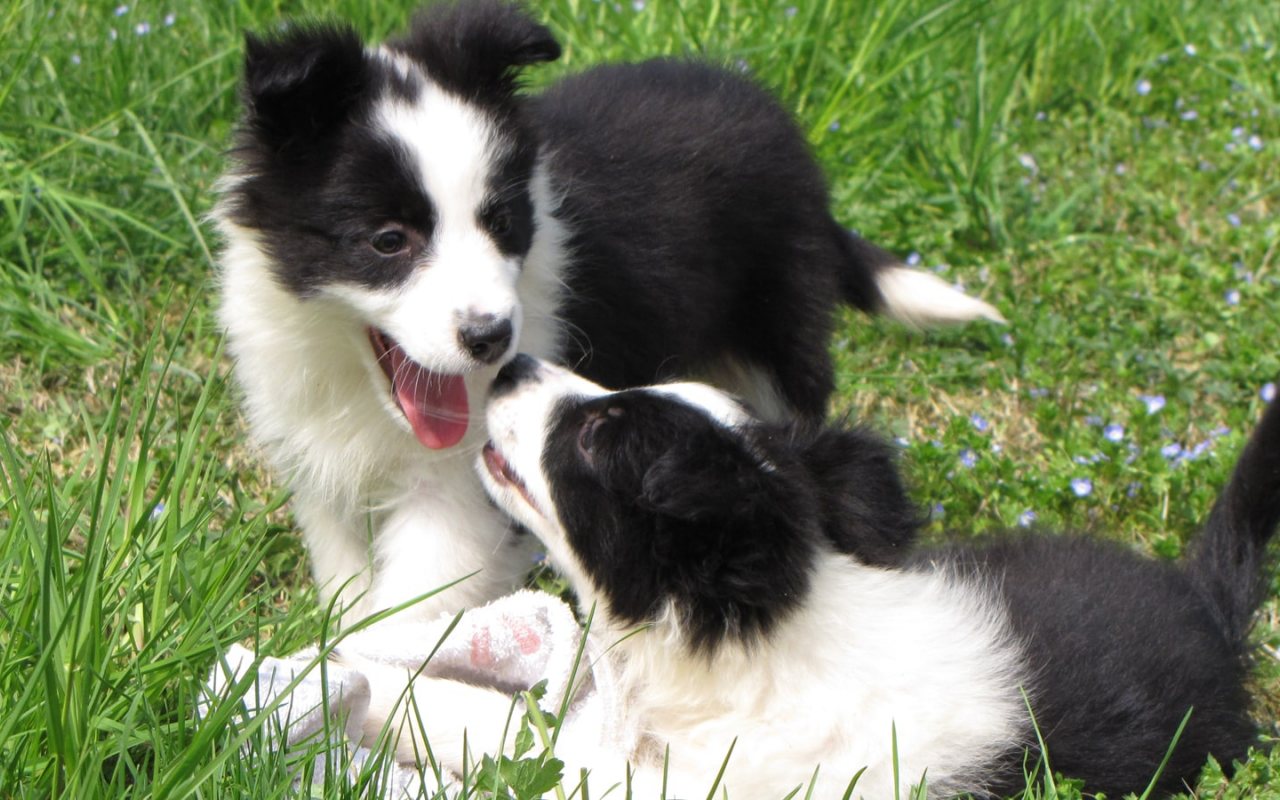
705,477
865,509
475,48
733,537
301,83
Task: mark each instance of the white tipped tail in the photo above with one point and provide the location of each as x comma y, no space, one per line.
924,300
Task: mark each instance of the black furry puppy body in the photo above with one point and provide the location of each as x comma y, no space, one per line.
398,220
763,587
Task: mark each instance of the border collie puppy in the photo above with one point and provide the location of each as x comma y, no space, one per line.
398,220
761,584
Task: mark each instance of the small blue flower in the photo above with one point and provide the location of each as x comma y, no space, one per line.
142,28
1199,449
1237,132
1007,339
1121,169
1171,451
121,10
1268,392
1038,393
1028,163
913,259
968,458
638,5
979,422
169,19
1189,49
834,126
1113,432
1232,297
1132,490
1026,518
938,512
1081,487
1153,402
1191,115
1093,420
1143,87
791,11
157,511
1041,116
1220,431
996,448
1233,219
75,59
1255,142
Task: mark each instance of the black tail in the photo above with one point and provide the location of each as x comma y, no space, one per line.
862,261
1226,561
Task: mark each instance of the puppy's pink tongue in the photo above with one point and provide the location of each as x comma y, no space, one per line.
435,405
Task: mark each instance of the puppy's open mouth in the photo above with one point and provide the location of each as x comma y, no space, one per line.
434,404
503,474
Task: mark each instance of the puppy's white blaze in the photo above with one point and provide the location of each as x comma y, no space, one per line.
922,299
720,406
454,146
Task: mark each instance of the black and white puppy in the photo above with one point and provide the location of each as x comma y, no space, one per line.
398,219
781,608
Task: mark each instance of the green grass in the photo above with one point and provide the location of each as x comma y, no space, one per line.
140,535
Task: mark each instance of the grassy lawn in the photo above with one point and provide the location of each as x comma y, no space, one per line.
1104,172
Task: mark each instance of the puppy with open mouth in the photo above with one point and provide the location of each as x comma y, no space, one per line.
762,586
398,219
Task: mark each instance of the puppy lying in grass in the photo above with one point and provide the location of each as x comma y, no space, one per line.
762,587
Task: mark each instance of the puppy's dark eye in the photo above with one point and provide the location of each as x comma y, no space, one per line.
389,241
589,433
500,221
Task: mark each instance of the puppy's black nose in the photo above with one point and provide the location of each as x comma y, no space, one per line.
485,338
518,370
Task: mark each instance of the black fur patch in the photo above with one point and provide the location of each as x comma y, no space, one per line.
700,229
